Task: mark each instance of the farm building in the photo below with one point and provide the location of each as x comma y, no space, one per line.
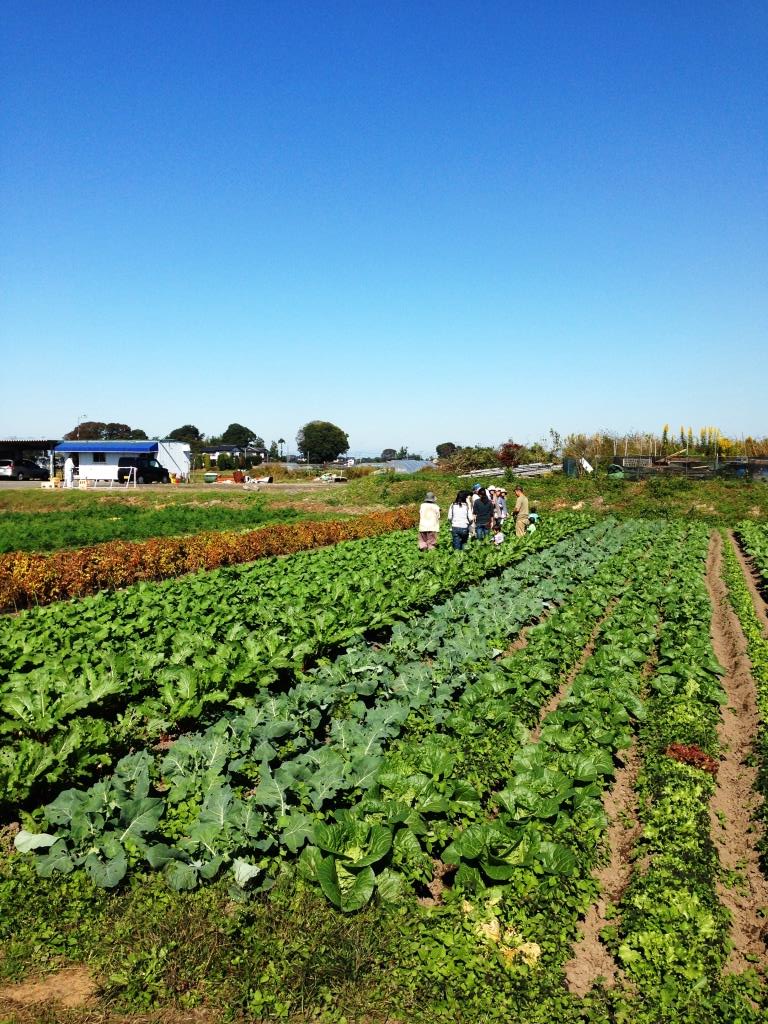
100,460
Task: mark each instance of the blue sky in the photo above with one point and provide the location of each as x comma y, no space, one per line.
422,221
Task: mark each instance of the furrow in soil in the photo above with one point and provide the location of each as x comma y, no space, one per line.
733,819
591,960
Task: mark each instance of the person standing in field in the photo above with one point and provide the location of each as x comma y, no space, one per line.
501,508
460,518
521,512
429,522
483,512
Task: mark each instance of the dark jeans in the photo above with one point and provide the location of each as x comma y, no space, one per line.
459,537
481,532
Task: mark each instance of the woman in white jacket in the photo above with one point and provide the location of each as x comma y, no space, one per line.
460,518
429,522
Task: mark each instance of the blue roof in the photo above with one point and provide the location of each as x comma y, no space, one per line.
130,447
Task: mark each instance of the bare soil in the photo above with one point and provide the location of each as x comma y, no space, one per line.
70,987
57,1014
733,821
442,874
591,960
69,996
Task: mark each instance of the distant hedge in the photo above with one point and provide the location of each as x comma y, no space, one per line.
32,579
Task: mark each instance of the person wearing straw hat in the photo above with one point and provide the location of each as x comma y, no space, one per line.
429,522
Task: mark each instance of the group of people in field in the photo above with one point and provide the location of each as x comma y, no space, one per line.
479,514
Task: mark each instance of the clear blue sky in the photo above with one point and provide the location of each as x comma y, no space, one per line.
424,221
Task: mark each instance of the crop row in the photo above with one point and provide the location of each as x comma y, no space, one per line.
543,836
673,936
757,648
30,580
437,787
256,782
139,674
112,520
754,539
526,868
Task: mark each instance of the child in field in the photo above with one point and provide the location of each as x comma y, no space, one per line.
498,536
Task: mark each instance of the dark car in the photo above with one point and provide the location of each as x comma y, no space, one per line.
148,470
21,469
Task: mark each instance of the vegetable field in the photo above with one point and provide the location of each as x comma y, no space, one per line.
516,783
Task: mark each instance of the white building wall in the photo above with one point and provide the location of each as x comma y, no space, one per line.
90,470
176,456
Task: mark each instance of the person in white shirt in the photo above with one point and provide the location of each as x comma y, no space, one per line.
429,522
460,518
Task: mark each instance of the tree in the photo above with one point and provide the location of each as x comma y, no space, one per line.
555,443
388,454
509,453
189,434
274,454
241,436
116,431
464,460
138,435
445,450
88,430
281,442
321,441
95,430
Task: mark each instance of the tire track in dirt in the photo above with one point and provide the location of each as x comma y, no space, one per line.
752,583
591,960
733,822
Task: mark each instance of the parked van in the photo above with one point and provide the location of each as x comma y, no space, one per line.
148,470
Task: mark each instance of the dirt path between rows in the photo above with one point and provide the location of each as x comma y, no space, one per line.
733,823
69,987
591,960
752,583
70,996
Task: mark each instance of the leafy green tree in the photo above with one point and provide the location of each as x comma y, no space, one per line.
274,454
116,432
388,454
445,450
241,436
95,430
320,441
189,434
